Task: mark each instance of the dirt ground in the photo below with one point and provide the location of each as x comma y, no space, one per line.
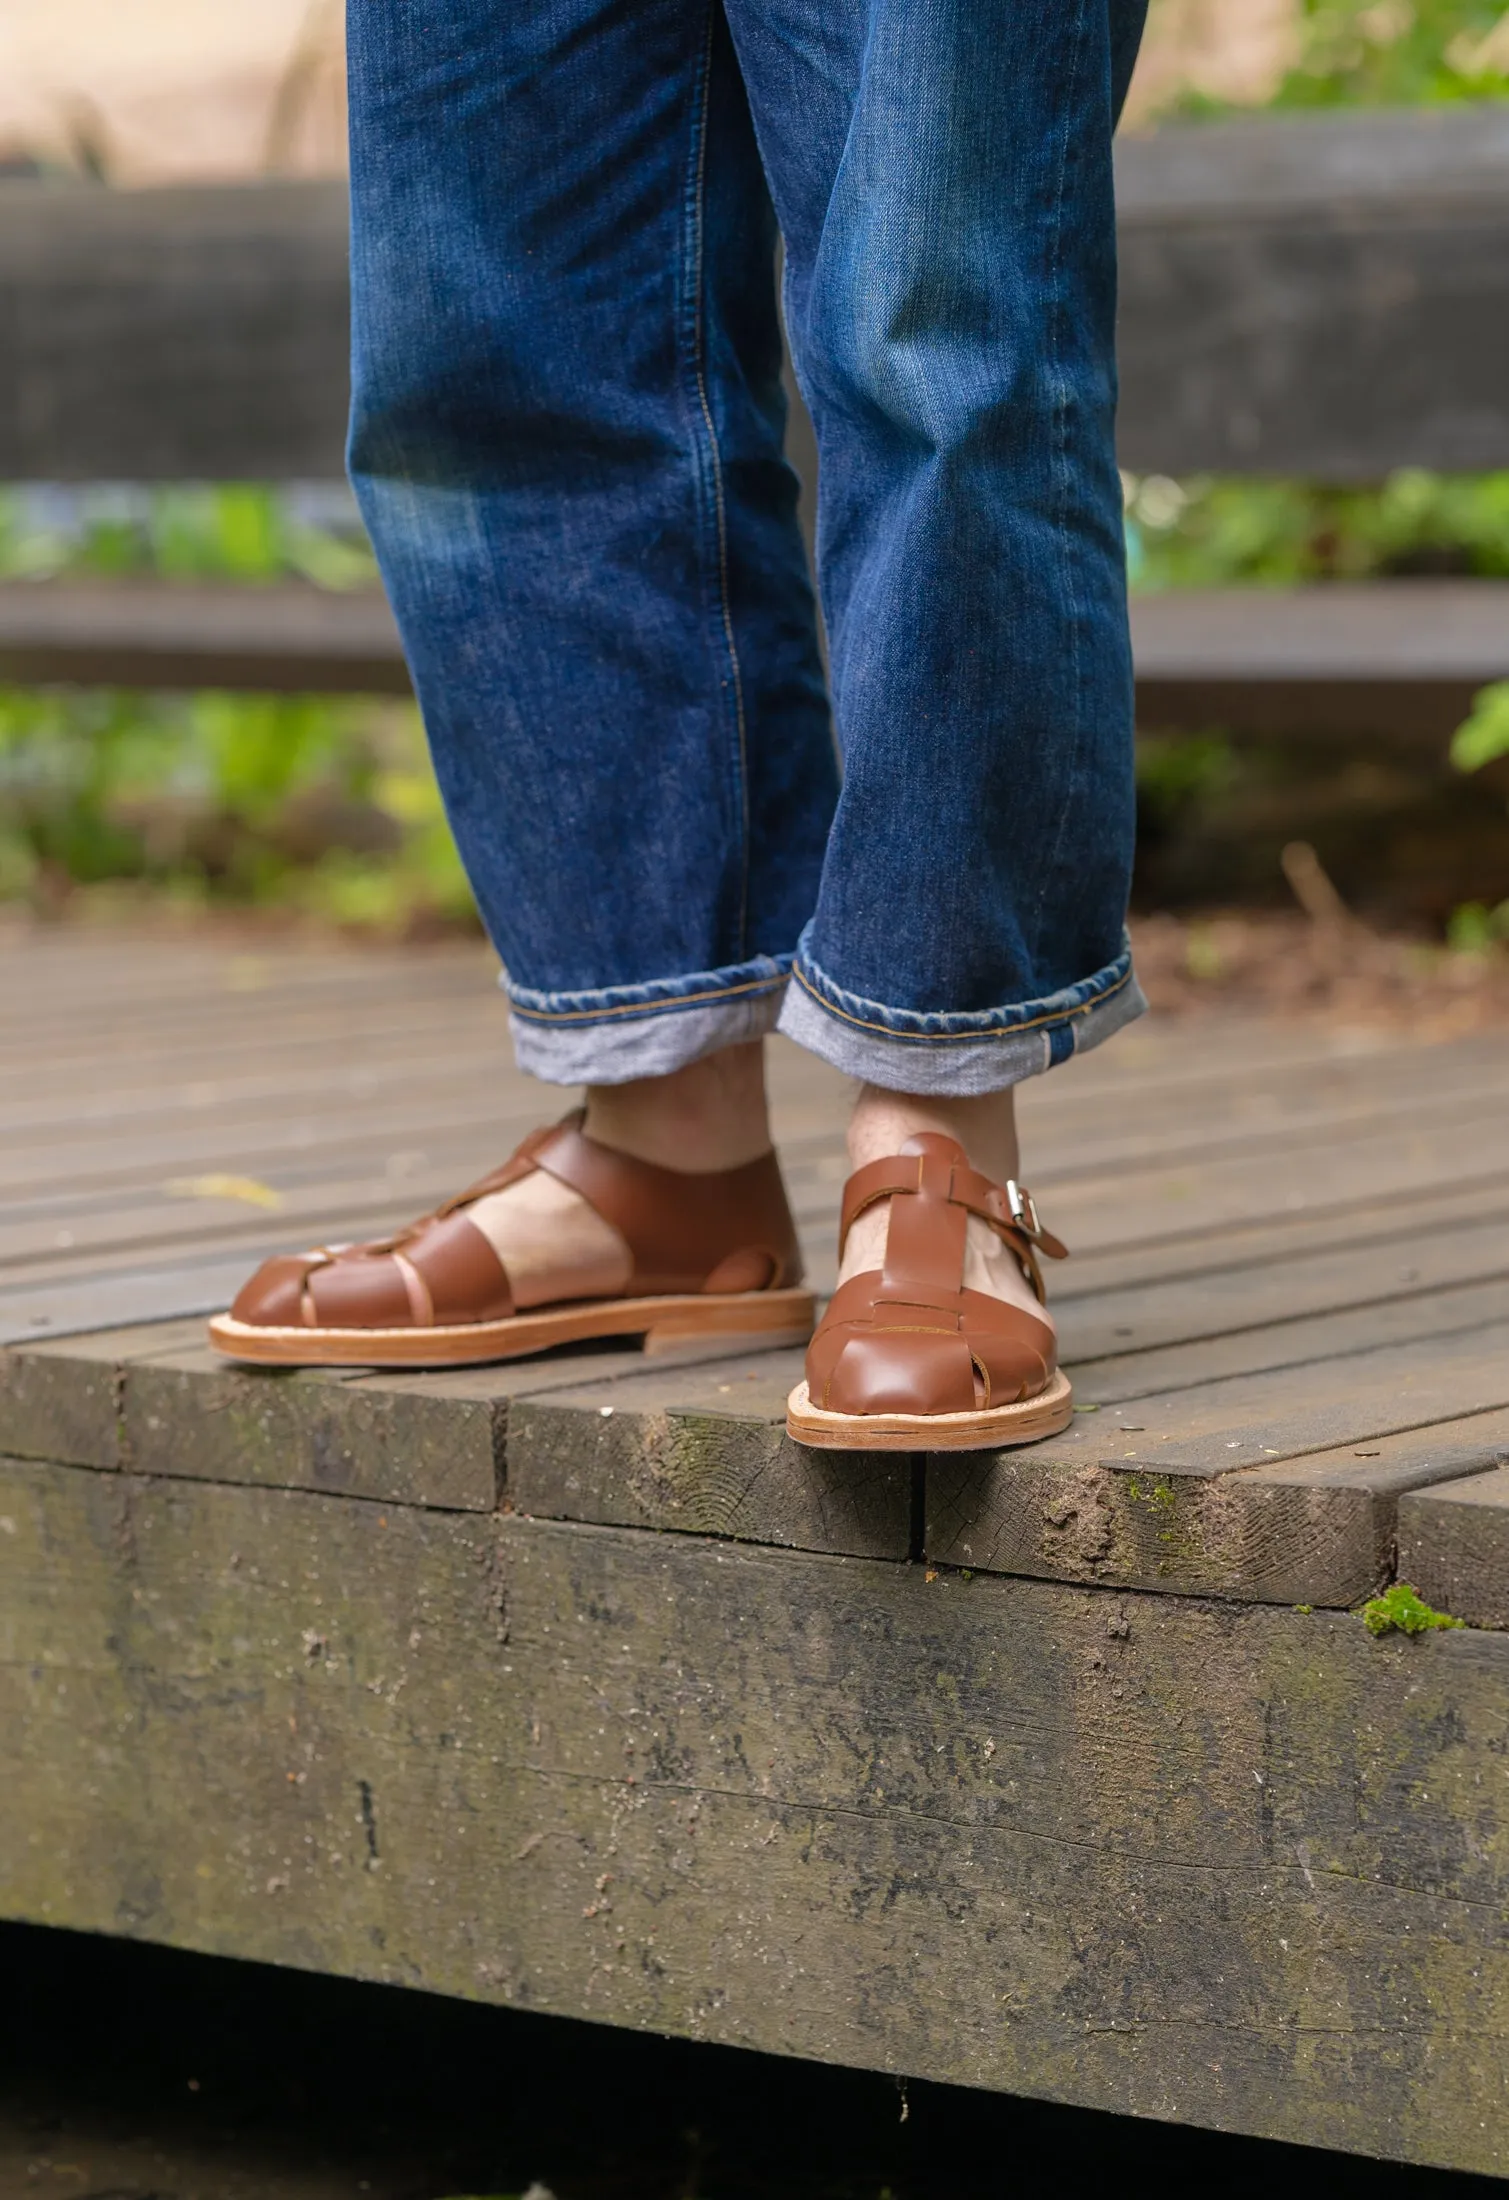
1293,967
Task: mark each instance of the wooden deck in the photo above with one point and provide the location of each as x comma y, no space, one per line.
577,1685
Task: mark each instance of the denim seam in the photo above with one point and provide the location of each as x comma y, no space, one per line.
1060,445
646,1008
720,509
951,1038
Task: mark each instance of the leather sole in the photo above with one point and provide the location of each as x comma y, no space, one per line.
751,1321
986,1429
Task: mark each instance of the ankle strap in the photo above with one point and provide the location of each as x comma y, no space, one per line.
934,1168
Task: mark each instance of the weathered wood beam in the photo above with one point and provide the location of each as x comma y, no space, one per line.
1454,1547
1316,295
291,638
1397,657
1236,1866
196,333
1307,295
1251,1466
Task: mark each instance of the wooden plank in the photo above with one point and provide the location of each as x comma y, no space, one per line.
1318,1531
697,1445
1401,656
1395,657
1454,1546
1467,1242
594,1435
1236,1249
64,1403
1296,1340
1244,1868
165,335
1312,295
704,1451
291,638
138,1294
189,1413
1319,295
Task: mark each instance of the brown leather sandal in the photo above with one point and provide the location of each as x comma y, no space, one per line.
712,1257
907,1359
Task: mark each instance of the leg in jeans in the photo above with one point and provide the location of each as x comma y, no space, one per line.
566,440
943,181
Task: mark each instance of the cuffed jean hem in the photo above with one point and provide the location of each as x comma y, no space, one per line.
630,1031
956,1056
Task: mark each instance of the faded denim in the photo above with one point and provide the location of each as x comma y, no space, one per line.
566,439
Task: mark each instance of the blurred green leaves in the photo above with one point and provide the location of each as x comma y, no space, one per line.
1210,530
324,805
1397,53
1483,736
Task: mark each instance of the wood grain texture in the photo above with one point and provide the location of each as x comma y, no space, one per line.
195,1414
1222,1336
1317,1529
1454,1546
1239,1867
63,1401
705,1452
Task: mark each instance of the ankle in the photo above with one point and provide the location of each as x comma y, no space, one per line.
984,1125
709,1116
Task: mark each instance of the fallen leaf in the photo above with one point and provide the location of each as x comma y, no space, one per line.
248,1189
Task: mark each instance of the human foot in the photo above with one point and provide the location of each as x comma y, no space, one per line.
578,1235
985,1126
937,1338
700,1121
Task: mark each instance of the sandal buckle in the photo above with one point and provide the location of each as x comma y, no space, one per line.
1023,1210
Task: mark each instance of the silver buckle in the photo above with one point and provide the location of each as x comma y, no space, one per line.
1023,1212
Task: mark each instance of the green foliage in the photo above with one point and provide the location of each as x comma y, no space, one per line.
1475,929
1214,530
1403,1611
242,531
1386,53
1483,735
1397,53
324,805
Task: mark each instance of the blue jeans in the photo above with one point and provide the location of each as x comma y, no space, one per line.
567,441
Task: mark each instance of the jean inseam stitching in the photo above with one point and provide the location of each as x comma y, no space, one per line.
936,1038
720,508
1061,425
646,1008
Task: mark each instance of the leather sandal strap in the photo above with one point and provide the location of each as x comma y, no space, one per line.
876,1180
922,1247
915,1338
679,1242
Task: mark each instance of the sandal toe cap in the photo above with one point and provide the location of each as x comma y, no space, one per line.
273,1298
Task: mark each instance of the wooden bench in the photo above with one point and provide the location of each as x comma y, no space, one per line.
1318,296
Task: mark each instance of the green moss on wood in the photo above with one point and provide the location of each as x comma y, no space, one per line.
1404,1611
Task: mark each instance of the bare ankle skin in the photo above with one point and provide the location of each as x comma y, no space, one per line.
709,1116
985,1126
